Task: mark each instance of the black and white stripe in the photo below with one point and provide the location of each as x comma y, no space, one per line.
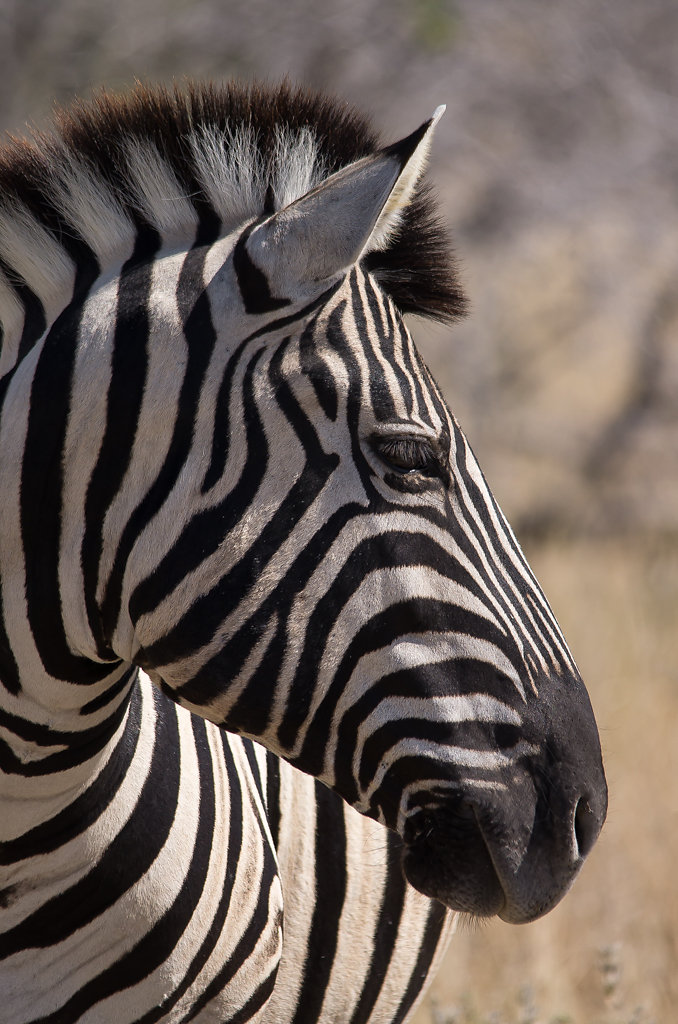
279,692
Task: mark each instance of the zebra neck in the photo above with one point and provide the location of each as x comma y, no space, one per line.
43,715
50,755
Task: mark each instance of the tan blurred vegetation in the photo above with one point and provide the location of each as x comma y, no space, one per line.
557,162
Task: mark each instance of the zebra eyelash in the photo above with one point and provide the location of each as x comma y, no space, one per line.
409,455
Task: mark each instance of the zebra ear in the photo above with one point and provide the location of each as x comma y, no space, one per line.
354,211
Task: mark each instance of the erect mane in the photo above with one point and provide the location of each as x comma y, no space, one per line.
174,157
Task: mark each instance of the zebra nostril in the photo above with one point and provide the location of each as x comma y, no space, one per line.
585,827
506,735
421,827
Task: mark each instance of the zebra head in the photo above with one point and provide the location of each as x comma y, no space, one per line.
281,522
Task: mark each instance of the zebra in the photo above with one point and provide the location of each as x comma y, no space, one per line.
280,694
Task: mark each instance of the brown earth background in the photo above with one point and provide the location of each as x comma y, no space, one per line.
557,167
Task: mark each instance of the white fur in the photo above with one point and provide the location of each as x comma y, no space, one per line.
155,190
235,178
332,221
12,318
95,211
229,171
35,255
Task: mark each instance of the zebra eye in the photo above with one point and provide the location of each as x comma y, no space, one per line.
408,455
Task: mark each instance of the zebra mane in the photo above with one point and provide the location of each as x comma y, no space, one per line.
175,157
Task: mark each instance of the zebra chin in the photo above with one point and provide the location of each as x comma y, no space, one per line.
446,858
466,857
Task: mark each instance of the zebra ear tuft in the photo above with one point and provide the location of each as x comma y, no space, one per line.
353,212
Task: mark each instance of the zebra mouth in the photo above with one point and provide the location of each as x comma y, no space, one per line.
446,857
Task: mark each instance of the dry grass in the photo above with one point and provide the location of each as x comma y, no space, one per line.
609,953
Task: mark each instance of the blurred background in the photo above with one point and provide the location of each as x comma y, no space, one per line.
557,167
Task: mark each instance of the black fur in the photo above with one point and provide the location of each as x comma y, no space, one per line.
416,269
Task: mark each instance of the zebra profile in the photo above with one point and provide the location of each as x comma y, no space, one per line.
253,582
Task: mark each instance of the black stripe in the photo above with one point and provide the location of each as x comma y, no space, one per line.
355,399
252,282
47,735
469,735
129,366
408,374
427,949
158,943
273,795
384,803
200,336
79,815
80,746
393,333
221,439
199,624
123,863
42,496
318,372
222,907
205,532
9,670
247,943
221,436
111,693
397,550
386,932
494,549
458,677
255,1002
371,334
35,323
248,747
330,893
251,711
413,362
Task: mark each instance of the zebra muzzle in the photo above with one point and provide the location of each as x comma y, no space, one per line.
513,861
